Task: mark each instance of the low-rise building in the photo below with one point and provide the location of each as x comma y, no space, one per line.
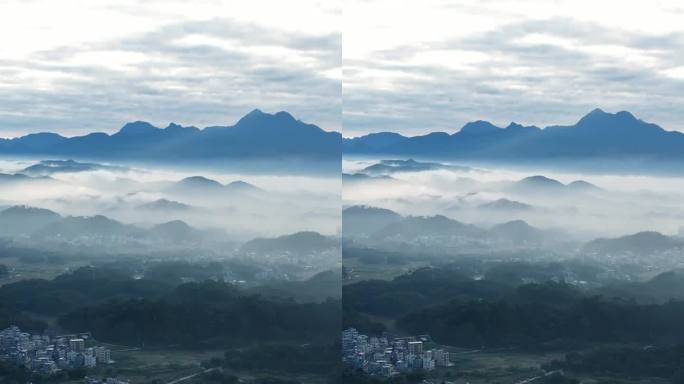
387,356
46,355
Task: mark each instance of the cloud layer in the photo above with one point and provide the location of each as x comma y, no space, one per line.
413,67
435,67
94,67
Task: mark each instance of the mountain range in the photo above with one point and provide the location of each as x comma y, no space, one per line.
256,136
541,184
385,167
41,224
504,204
379,224
297,243
260,136
201,186
598,135
641,243
49,167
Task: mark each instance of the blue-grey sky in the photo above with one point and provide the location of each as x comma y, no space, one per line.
433,65
74,66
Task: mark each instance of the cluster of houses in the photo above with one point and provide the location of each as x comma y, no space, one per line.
388,356
47,355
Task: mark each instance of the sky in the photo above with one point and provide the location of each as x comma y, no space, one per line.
357,66
419,66
75,67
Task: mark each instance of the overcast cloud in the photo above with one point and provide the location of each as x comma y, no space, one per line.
416,67
74,67
411,66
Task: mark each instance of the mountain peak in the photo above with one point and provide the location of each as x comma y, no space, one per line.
539,181
479,126
277,126
582,185
515,127
614,123
25,210
240,185
138,127
200,181
596,114
259,116
173,127
285,116
625,115
255,112
254,117
599,116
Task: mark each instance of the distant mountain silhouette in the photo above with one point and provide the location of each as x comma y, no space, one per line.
412,227
241,186
543,184
45,225
506,205
539,182
392,166
175,231
582,186
165,205
642,243
203,185
301,242
257,135
362,177
199,182
86,226
48,167
24,220
23,211
363,223
18,178
360,220
517,231
598,135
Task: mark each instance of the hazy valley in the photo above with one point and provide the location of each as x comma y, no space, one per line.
544,269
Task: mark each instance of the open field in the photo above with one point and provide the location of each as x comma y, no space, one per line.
166,366
140,366
512,367
496,366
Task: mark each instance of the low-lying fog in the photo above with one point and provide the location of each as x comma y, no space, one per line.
610,205
244,206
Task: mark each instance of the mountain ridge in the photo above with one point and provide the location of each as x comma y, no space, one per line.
596,135
256,136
